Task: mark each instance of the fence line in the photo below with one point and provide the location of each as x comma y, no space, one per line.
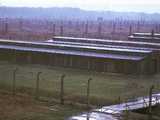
115,29
61,84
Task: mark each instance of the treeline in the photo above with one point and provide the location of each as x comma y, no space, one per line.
72,14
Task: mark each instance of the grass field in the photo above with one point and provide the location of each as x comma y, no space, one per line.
29,109
26,108
105,88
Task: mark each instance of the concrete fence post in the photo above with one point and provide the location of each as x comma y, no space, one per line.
127,113
14,81
88,92
62,89
88,115
37,85
150,102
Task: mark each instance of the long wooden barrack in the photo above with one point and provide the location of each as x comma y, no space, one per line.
133,57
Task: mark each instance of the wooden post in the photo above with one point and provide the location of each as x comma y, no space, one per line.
62,90
93,64
54,29
21,24
88,115
71,62
138,26
114,28
138,67
55,60
152,33
14,81
6,28
77,26
15,56
50,59
104,66
158,64
130,30
29,58
126,112
64,60
86,29
88,64
119,99
99,29
61,30
88,93
156,28
37,85
150,102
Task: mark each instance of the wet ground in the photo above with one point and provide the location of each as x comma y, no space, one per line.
114,112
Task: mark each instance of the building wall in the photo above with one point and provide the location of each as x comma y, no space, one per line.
78,62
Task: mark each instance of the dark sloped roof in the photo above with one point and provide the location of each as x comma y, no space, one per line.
150,45
73,52
99,45
146,35
145,38
74,46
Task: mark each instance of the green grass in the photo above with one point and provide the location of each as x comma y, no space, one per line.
28,108
105,88
63,112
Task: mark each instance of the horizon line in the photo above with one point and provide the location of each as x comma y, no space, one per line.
61,7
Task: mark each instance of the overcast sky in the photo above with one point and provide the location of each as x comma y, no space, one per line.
101,5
